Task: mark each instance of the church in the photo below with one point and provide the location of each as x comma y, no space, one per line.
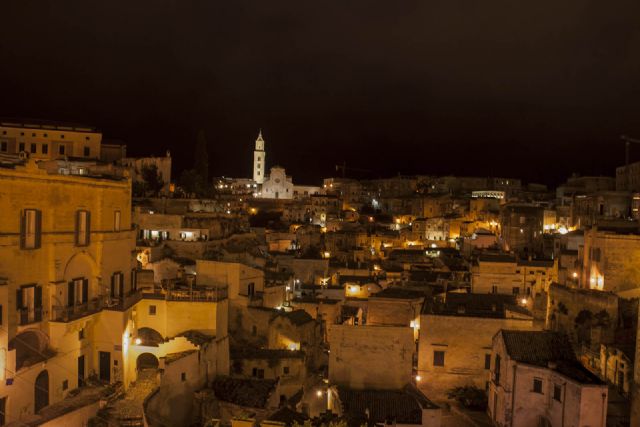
276,184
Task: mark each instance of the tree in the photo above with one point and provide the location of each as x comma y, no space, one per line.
470,397
151,179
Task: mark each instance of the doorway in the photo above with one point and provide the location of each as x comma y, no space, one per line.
105,366
41,391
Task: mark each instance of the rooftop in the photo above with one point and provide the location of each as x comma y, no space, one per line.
250,352
244,392
471,305
547,349
398,406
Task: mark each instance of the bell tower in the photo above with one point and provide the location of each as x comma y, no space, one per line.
259,156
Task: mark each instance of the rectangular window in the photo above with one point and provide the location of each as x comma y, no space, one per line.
261,373
3,147
557,392
30,229
285,370
87,151
21,147
34,148
515,290
537,385
152,310
183,376
81,334
45,148
65,384
487,361
134,280
83,228
438,358
117,285
61,150
494,289
496,370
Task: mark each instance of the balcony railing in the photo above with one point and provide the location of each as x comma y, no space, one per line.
68,313
27,316
122,303
195,295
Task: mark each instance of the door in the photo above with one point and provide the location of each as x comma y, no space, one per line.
3,411
81,371
41,391
105,366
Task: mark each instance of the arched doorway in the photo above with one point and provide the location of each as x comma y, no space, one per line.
41,391
147,361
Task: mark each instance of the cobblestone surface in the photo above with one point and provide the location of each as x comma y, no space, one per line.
130,406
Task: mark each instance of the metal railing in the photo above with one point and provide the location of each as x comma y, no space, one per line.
61,313
27,316
195,295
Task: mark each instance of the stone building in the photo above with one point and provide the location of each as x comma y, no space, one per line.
49,140
610,259
455,339
278,185
73,315
522,228
506,274
536,380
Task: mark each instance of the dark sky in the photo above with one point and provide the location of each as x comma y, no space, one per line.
536,88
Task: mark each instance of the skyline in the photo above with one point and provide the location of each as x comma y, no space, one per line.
450,87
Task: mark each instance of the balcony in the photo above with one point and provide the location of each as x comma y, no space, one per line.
68,313
27,316
193,295
125,302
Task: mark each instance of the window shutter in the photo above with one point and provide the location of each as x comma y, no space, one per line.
37,300
112,290
88,230
38,228
23,229
77,232
71,294
85,290
18,299
121,282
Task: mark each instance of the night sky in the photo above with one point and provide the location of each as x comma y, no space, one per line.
534,89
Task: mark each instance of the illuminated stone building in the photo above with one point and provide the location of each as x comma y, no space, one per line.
49,140
610,258
72,314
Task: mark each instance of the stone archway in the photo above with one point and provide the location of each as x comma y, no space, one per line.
31,346
149,337
147,361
